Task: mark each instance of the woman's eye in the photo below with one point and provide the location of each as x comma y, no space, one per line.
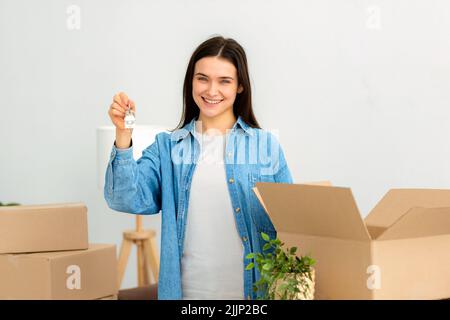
225,81
201,79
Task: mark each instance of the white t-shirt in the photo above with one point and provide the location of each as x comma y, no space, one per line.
212,265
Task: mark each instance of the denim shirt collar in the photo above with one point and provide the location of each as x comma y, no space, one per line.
190,127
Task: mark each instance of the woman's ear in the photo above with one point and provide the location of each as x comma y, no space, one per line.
240,89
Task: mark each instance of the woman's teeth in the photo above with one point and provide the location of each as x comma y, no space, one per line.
212,101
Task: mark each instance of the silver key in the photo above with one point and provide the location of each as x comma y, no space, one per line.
130,120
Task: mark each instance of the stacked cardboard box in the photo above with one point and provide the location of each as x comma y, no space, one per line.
45,254
401,250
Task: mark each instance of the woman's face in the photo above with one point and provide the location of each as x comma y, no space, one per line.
214,86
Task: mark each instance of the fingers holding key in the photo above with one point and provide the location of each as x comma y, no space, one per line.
117,109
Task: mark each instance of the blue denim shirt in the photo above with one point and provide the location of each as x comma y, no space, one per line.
160,181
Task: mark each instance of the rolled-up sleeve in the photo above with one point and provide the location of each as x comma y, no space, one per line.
134,186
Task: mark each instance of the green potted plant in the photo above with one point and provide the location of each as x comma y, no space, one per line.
284,275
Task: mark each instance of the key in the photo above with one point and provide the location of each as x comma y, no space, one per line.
130,120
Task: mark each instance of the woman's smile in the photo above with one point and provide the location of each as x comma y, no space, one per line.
211,102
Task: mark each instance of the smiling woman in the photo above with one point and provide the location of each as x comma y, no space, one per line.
199,180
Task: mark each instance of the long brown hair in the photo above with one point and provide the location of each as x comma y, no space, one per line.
232,51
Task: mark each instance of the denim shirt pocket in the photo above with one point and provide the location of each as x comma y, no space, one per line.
257,212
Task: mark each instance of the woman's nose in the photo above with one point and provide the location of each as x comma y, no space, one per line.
212,90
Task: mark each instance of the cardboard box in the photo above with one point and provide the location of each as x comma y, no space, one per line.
80,274
43,228
401,250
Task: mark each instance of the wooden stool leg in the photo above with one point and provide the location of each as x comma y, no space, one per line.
145,266
140,265
147,257
123,258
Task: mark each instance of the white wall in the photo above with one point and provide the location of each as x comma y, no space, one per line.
359,90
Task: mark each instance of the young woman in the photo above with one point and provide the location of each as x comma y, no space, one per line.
200,176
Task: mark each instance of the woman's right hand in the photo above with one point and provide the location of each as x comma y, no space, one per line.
117,110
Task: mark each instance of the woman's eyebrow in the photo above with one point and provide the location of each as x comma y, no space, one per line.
202,74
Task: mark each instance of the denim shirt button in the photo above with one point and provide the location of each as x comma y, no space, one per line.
237,209
245,238
231,180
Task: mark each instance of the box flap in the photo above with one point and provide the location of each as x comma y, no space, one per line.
397,202
51,255
312,210
419,222
319,183
314,183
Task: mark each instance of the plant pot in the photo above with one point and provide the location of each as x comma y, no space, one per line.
305,285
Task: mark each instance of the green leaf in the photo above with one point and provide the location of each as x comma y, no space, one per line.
250,256
267,266
250,266
266,246
293,250
265,236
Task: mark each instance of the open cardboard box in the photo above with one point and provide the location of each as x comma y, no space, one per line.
401,250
